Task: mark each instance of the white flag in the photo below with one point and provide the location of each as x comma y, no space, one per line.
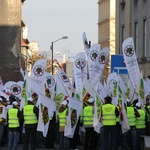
80,70
38,70
50,82
13,88
98,68
75,108
46,109
94,53
112,83
131,61
85,43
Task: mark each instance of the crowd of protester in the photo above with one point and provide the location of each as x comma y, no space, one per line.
20,126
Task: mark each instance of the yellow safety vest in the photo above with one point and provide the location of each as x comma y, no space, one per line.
108,114
131,117
147,110
140,121
117,118
88,116
29,115
13,121
62,118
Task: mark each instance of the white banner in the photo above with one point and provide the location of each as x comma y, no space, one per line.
13,88
85,43
80,70
38,70
94,53
98,69
131,61
112,83
46,110
50,82
75,108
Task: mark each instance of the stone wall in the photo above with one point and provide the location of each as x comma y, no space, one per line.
10,39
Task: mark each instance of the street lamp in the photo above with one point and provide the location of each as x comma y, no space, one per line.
64,37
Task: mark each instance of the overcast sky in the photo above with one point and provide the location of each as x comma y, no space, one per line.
49,20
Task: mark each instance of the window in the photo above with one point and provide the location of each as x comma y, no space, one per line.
144,37
136,38
123,33
122,37
122,3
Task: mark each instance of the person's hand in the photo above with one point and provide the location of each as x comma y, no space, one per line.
121,116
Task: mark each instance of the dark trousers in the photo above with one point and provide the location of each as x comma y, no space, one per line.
30,136
91,139
75,139
129,139
108,138
50,138
139,132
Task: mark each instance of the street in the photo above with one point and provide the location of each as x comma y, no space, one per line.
20,147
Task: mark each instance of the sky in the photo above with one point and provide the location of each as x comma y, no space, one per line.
49,20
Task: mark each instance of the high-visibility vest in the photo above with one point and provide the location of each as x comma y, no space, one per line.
13,121
29,115
62,118
88,116
131,117
117,118
147,110
140,121
108,114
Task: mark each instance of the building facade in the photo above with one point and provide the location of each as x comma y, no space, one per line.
10,40
133,20
106,28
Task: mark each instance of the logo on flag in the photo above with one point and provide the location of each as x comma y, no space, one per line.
45,117
73,118
102,58
38,70
50,81
111,82
64,77
129,50
15,89
80,63
94,55
1,110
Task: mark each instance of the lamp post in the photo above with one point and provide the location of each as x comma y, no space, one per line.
64,37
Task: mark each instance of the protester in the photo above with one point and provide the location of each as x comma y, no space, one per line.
91,137
108,119
21,125
50,138
118,127
3,117
11,100
147,110
129,137
75,140
30,118
140,125
64,142
13,126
